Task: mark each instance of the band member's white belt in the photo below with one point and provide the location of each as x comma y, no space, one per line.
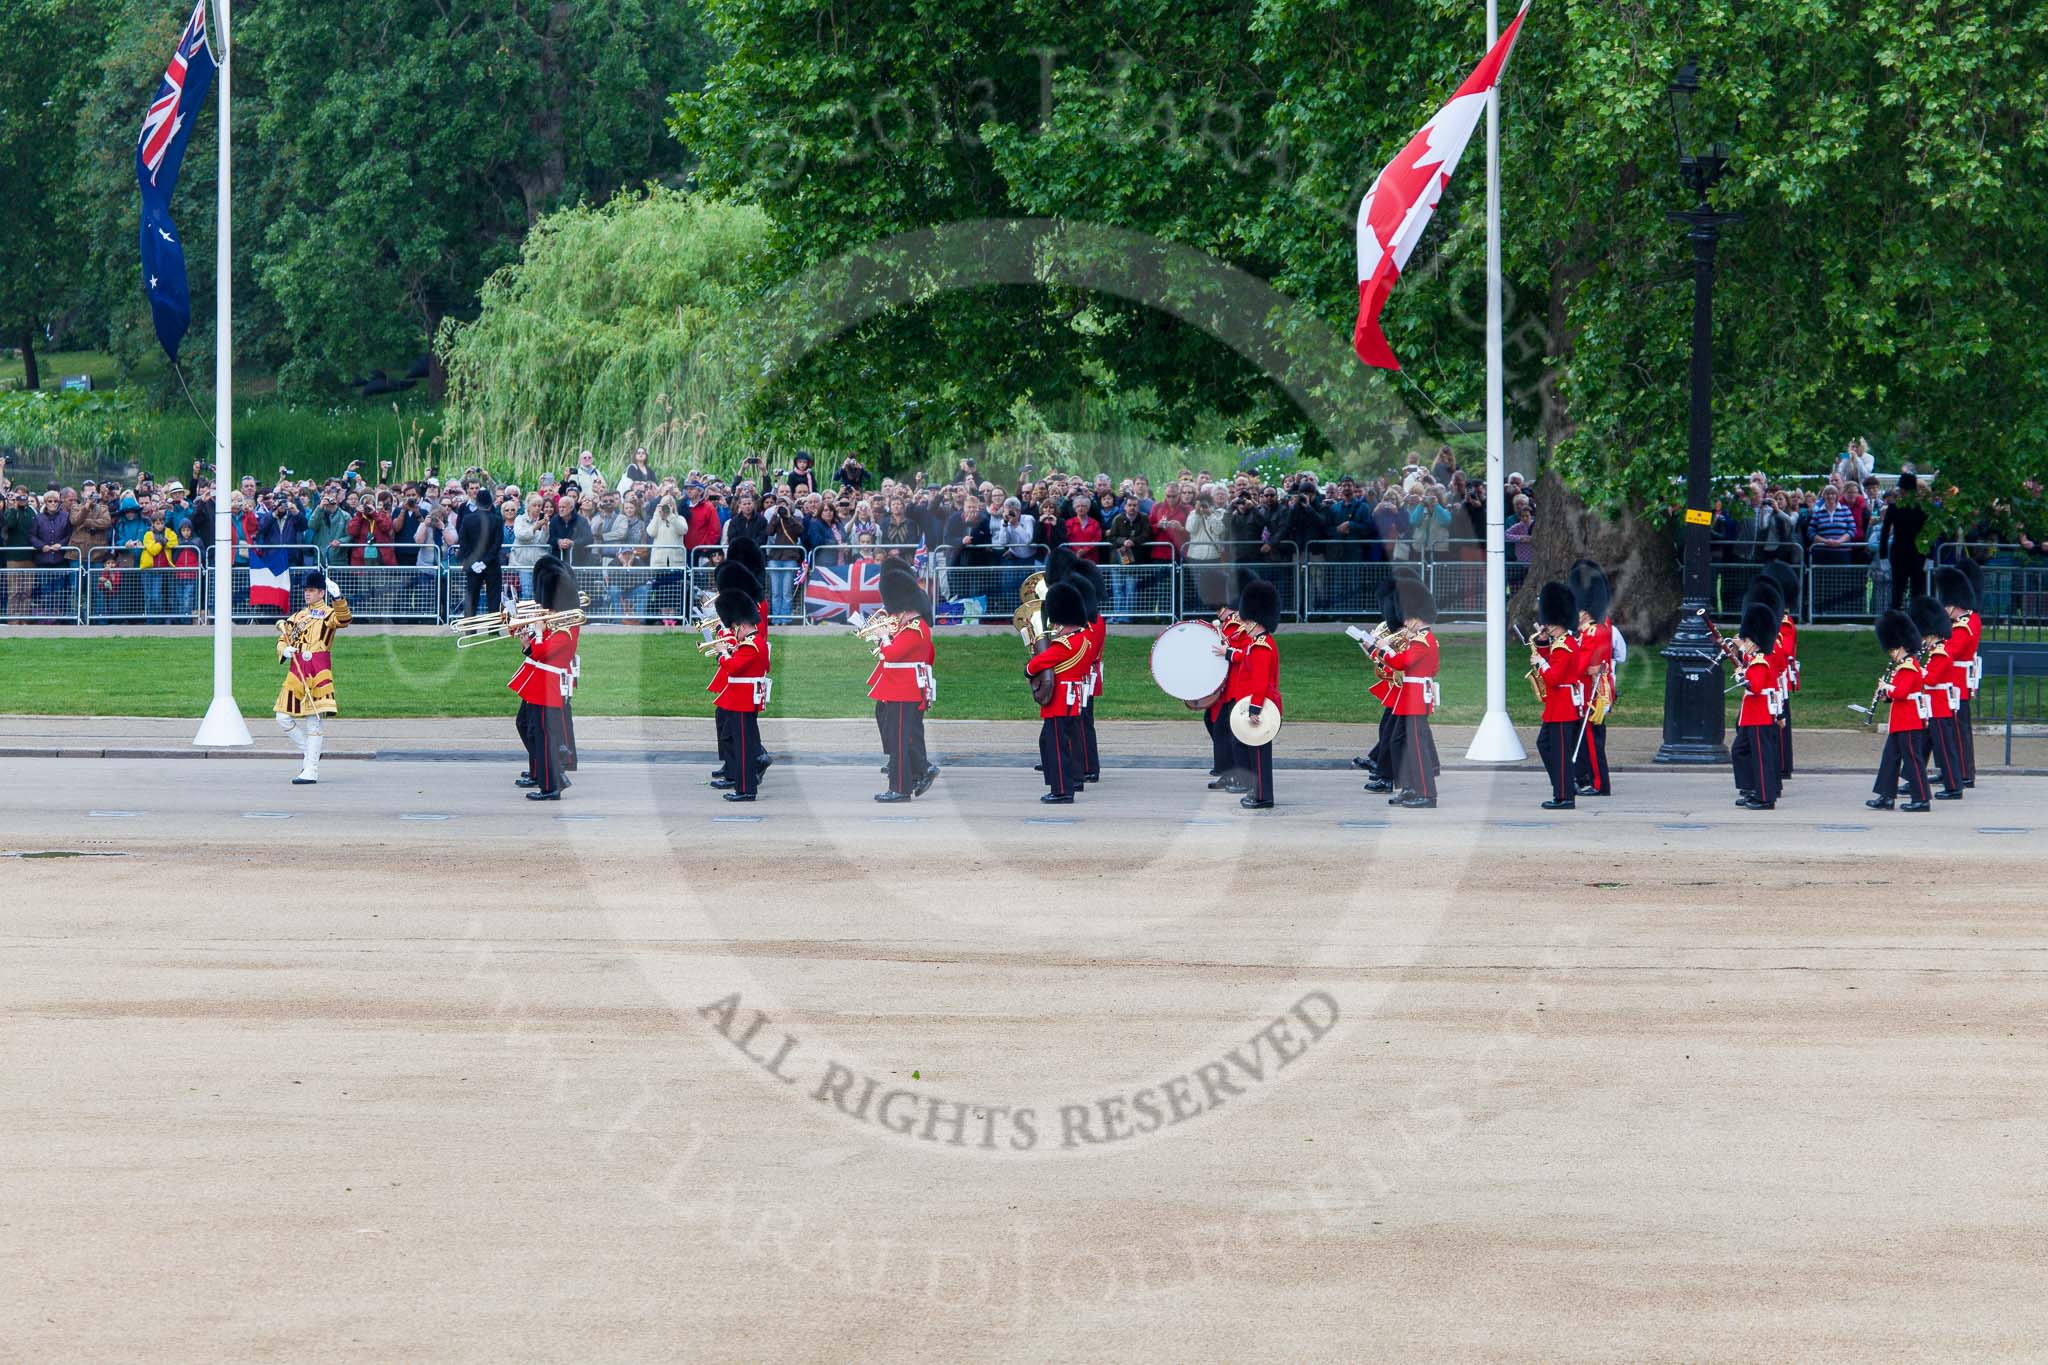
567,675
1774,700
1955,694
1973,674
1430,694
927,680
762,687
1924,704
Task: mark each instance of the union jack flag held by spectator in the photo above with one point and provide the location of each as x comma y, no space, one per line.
838,593
159,155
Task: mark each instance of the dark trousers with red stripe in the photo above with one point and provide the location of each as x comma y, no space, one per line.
1091,757
1554,744
544,732
1253,765
902,726
1945,748
739,749
1590,770
1785,741
1755,759
1905,755
1966,738
1059,753
1411,750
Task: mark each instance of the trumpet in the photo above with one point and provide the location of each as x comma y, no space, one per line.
718,646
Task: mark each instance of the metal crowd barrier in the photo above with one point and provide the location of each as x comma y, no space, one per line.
397,587
34,594
1342,579
297,559
118,589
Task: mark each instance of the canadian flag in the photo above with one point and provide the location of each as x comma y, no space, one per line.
1403,198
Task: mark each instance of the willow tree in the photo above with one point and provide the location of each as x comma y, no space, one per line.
595,336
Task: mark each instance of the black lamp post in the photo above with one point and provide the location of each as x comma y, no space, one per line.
1695,715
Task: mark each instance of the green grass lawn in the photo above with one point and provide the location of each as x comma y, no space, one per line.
980,678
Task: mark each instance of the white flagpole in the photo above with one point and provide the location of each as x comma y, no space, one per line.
223,726
1496,740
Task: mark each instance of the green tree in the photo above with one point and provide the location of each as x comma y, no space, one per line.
1893,160
390,154
598,334
44,72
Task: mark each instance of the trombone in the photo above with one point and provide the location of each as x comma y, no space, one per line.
507,622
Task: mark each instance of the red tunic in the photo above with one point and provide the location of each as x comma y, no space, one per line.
546,667
1418,664
1234,639
905,663
1068,660
1905,712
1255,673
1563,693
1098,637
1942,681
734,683
1963,638
1785,655
1759,682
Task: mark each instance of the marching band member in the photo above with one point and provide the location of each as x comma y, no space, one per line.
1905,739
305,641
544,683
904,686
1064,566
1254,674
1753,756
1595,644
1216,717
1087,577
744,569
1955,587
1554,666
1413,667
1376,763
1785,579
1063,659
741,685
1940,679
1763,592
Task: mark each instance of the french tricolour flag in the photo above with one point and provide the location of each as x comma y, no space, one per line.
270,578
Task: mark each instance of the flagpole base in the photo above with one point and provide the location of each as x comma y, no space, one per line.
223,727
1496,741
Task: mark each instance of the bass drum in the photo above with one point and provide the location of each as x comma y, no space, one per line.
1186,665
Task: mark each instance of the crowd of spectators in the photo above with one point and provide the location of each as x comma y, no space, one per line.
635,517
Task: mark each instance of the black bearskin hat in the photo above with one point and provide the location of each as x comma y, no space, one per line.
1785,579
1956,587
1555,606
554,586
737,608
1763,588
1929,617
901,596
1260,602
1084,570
1091,596
1059,564
1895,631
733,576
1588,583
1760,626
1413,601
745,551
1389,603
1064,606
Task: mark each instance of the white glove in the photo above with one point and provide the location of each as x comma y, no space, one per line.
477,567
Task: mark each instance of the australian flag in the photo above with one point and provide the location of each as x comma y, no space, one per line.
159,153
